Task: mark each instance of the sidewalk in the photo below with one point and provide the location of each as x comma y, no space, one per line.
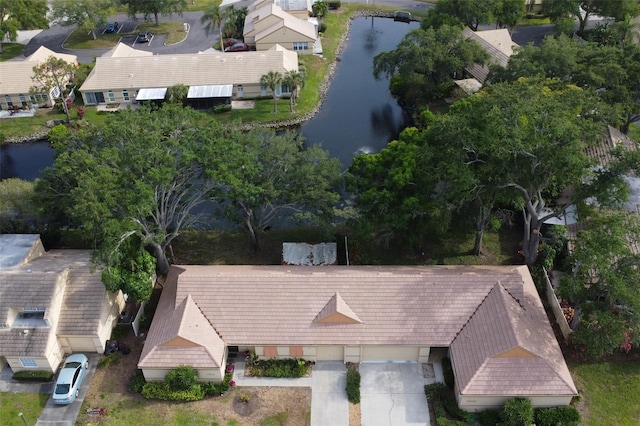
18,386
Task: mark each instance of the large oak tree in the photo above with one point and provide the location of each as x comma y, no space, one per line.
154,8
18,15
88,15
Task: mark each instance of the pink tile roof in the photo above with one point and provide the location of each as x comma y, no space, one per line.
508,346
337,311
182,334
491,316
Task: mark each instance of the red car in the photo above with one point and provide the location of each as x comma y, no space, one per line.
238,47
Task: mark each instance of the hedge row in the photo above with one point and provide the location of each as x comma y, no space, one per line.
353,386
289,367
554,416
35,376
444,405
160,390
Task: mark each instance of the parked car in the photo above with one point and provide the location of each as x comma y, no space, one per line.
70,378
144,37
238,47
228,42
111,27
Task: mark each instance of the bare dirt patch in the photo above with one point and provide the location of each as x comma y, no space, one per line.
109,390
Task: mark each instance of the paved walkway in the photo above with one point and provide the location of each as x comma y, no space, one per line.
17,386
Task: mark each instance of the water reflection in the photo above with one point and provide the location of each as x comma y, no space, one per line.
359,114
25,160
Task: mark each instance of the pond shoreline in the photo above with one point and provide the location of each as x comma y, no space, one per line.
324,85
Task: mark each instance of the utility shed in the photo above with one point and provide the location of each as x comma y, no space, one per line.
309,254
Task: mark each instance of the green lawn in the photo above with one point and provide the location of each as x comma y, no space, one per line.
29,404
11,50
610,392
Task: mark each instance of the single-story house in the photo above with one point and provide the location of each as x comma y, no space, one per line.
51,304
16,81
497,43
125,79
269,25
490,318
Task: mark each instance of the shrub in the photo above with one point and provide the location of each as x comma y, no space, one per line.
182,378
517,412
160,390
33,375
443,421
111,359
219,109
436,391
289,367
451,407
334,4
137,381
447,371
322,27
489,417
353,386
565,416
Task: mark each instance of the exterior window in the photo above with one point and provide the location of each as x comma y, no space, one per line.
112,96
55,92
23,100
28,362
263,91
286,88
40,98
30,317
7,99
125,96
300,45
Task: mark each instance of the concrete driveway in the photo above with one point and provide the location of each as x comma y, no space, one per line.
65,415
392,394
329,405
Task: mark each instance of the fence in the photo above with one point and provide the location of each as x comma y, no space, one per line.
556,308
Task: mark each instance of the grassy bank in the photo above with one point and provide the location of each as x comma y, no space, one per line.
29,404
11,50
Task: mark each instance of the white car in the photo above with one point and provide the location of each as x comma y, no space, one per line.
70,379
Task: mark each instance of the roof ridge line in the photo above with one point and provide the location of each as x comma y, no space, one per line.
474,311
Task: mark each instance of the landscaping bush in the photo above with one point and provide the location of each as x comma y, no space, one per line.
517,412
489,417
33,375
160,390
322,27
137,382
219,109
564,416
436,391
447,371
443,421
353,386
451,407
182,378
334,4
289,367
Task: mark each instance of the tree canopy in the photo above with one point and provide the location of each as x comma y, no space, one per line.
140,176
87,15
472,13
54,73
154,7
605,281
18,15
583,9
420,69
275,176
613,71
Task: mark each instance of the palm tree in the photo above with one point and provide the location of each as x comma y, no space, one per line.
215,16
294,80
235,21
271,80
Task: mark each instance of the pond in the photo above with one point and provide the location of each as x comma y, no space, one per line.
359,115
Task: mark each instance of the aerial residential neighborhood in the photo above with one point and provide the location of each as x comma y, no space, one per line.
199,224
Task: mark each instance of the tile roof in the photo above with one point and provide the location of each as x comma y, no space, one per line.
337,311
34,285
496,44
188,69
182,333
396,304
303,28
121,50
16,75
508,346
612,139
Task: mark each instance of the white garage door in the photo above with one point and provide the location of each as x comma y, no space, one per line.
81,344
390,353
330,353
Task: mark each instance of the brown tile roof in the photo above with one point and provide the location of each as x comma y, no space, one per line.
34,284
612,139
508,346
82,305
182,334
337,311
396,304
499,52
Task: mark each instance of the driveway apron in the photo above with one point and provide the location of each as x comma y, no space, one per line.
392,394
329,405
65,415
